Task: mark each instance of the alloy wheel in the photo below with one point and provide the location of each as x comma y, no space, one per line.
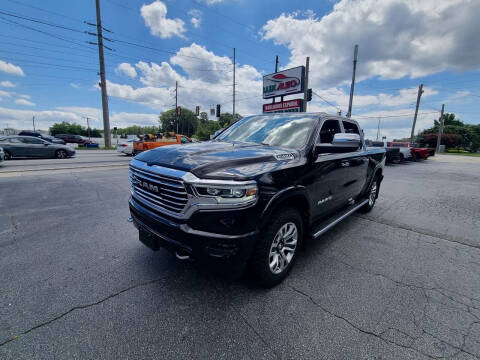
283,247
373,194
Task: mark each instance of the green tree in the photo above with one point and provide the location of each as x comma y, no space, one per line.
206,128
73,128
226,119
467,136
187,122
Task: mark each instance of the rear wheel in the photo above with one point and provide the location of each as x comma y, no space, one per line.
8,156
402,158
61,154
277,247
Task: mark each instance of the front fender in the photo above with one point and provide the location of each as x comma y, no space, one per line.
294,196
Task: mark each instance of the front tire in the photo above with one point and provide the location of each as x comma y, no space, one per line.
7,155
276,248
61,154
372,196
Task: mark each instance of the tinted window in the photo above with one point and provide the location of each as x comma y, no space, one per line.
185,140
14,140
328,130
31,140
350,128
275,130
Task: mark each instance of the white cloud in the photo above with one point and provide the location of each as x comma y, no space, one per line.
396,38
22,119
208,81
119,119
7,84
11,68
155,17
24,102
196,18
126,69
395,123
211,2
5,94
24,96
158,75
74,85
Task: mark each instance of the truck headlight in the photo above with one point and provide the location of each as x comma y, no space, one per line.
225,194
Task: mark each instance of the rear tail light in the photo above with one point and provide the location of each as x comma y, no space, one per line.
124,145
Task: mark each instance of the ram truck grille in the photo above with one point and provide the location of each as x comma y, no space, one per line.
157,191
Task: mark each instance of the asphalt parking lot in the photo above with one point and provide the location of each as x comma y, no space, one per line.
402,282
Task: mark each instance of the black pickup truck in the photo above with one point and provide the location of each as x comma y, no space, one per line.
250,196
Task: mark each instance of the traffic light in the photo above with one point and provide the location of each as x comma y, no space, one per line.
197,110
218,110
179,110
309,95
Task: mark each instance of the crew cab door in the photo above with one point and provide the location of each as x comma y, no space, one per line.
326,188
356,163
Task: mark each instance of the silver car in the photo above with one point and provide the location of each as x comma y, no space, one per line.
2,155
30,146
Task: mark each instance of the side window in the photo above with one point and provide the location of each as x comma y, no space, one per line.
31,141
328,130
350,128
14,140
185,140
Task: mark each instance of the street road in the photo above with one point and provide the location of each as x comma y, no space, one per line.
402,282
82,161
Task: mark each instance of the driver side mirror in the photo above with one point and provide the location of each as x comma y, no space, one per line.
342,143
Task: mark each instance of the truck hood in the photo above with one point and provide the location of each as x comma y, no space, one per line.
222,160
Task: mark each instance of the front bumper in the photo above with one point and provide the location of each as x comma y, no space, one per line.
158,231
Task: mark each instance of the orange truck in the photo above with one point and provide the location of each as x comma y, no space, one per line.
149,142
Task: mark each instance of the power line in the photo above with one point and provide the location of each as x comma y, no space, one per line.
391,116
43,32
39,21
48,57
48,64
44,10
325,100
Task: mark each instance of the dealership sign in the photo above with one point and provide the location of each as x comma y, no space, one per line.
285,106
286,82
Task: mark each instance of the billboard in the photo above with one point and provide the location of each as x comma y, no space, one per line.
286,82
285,106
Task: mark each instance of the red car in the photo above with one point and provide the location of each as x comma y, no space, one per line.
417,152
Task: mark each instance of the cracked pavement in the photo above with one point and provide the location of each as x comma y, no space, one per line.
402,282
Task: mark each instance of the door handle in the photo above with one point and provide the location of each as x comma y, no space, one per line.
345,163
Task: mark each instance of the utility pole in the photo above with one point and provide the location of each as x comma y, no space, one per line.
88,127
419,95
352,86
33,121
440,129
276,70
233,111
305,92
378,128
176,103
103,81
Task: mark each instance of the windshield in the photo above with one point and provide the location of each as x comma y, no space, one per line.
277,130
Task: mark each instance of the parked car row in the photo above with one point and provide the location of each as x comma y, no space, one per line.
58,138
412,152
31,146
397,152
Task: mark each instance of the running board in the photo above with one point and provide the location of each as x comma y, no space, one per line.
326,225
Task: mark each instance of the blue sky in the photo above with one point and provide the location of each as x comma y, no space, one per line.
50,72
